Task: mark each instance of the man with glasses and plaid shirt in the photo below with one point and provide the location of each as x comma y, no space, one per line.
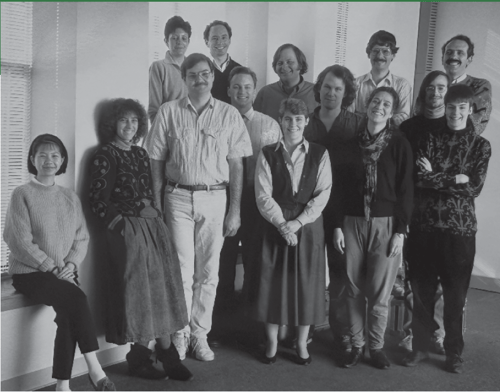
196,145
381,50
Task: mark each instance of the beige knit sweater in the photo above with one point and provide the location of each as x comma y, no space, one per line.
44,228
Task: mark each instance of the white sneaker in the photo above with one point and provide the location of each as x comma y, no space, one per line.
181,342
201,350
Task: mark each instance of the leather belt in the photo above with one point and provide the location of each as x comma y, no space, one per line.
194,188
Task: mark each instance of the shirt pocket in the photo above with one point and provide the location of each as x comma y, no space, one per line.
178,143
214,141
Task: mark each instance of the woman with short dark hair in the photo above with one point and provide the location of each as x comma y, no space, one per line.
47,237
145,295
292,185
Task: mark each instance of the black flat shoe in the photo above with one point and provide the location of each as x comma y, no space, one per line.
268,361
379,359
353,357
303,361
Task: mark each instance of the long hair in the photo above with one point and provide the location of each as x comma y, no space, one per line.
342,73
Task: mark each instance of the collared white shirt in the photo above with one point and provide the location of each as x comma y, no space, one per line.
196,147
459,79
223,66
269,208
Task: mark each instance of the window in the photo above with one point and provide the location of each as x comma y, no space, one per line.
16,63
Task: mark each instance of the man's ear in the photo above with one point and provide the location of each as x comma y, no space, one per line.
469,60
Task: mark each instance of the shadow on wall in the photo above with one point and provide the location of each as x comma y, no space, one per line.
96,274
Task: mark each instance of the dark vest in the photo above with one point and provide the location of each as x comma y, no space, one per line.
282,182
221,82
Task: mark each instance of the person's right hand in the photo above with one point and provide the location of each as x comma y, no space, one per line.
291,239
338,240
461,179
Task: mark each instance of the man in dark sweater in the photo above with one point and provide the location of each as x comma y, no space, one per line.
458,53
217,37
453,162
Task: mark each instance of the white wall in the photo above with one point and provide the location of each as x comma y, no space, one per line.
480,22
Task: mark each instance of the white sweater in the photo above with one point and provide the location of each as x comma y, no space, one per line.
44,228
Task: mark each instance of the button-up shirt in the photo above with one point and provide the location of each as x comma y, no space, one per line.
366,85
196,147
269,208
223,66
263,130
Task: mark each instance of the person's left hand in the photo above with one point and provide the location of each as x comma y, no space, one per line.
290,227
396,245
66,273
232,223
424,164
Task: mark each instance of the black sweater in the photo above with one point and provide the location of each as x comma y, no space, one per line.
221,82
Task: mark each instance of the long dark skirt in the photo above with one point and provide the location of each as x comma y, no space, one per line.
145,297
291,287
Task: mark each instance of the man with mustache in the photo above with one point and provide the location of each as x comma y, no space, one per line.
458,53
196,145
165,81
217,37
381,50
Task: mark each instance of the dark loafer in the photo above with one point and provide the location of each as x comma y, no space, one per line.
104,384
352,358
379,359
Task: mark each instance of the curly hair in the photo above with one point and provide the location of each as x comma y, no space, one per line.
301,57
206,33
47,138
342,73
174,23
461,37
295,106
391,91
119,107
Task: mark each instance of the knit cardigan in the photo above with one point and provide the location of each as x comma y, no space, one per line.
44,228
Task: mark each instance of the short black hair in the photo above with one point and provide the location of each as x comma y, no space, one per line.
240,70
301,58
459,93
342,73
294,105
206,33
176,22
116,109
461,37
382,38
429,78
391,91
192,60
47,138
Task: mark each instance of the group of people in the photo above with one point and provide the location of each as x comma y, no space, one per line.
299,173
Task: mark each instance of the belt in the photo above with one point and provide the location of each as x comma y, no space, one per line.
193,188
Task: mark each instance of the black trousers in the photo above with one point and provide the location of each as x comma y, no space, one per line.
73,318
337,314
448,258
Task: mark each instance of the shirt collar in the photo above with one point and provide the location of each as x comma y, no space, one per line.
170,59
388,77
249,115
41,183
459,79
187,103
223,65
296,88
304,145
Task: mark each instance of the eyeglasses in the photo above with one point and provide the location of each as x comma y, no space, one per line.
439,89
203,74
385,52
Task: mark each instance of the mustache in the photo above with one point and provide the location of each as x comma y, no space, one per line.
200,84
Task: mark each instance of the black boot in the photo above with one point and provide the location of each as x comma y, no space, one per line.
172,363
140,365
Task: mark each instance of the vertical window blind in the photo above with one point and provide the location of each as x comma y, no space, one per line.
16,63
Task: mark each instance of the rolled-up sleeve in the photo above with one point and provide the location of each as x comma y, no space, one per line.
156,140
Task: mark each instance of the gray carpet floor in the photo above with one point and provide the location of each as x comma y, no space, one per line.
235,368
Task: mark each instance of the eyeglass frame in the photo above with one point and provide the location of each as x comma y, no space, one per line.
386,52
439,89
194,77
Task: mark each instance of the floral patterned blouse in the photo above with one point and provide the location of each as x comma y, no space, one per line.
121,183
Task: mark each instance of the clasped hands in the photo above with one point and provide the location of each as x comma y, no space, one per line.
65,273
288,230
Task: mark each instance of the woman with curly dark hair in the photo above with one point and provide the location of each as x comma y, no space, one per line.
334,127
145,296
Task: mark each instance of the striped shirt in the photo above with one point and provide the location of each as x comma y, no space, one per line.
269,208
263,130
366,85
196,147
